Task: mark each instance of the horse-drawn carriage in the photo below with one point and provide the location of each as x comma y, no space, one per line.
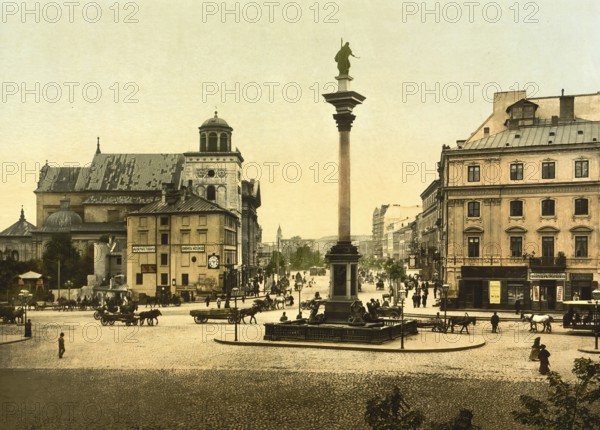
128,318
201,316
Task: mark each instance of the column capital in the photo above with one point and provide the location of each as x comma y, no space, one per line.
344,121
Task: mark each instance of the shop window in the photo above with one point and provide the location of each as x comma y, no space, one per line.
185,280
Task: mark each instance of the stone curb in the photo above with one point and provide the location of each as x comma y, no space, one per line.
15,341
588,350
277,344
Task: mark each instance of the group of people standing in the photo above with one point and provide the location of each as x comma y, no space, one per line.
541,354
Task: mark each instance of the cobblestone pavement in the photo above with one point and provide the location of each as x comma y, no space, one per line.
174,374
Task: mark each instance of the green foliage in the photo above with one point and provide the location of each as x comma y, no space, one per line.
277,260
568,404
394,269
304,258
9,271
72,266
392,413
370,262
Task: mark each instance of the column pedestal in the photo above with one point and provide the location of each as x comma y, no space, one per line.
343,258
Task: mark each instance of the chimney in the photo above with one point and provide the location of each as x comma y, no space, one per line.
486,132
567,107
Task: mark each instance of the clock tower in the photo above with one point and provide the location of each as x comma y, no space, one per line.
215,171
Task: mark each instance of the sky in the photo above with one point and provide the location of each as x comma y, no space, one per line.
144,75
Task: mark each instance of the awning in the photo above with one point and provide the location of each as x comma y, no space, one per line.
30,275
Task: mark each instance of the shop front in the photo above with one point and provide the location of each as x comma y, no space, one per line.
548,290
489,287
582,285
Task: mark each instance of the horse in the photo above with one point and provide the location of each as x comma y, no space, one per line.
280,301
129,308
249,312
534,320
463,321
152,301
150,316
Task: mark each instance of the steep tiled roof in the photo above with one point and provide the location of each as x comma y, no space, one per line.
115,172
192,203
546,135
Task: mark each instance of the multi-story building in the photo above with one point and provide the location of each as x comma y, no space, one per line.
180,243
384,216
521,200
430,232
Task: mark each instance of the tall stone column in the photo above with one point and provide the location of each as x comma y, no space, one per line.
343,256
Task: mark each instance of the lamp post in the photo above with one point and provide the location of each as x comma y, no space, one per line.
69,284
402,294
596,297
235,313
445,289
299,316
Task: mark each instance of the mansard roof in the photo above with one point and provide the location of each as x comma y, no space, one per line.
20,228
539,135
114,172
176,205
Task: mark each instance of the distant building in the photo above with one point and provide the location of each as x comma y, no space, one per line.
383,217
16,241
430,233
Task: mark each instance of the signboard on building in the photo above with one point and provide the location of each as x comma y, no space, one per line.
495,292
148,268
536,276
535,293
192,248
412,262
143,249
559,293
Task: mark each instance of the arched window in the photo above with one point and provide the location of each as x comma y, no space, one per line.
210,193
224,142
212,142
203,142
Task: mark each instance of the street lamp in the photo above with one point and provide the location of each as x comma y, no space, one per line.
402,293
596,297
235,313
299,316
69,284
445,289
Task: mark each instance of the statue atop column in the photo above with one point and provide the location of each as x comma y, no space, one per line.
343,58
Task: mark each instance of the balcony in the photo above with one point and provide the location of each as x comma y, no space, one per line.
548,263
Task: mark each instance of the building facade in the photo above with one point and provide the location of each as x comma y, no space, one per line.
382,218
181,243
521,203
430,232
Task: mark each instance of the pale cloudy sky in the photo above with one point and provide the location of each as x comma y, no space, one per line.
428,71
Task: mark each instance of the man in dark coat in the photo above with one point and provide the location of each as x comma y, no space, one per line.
495,320
61,345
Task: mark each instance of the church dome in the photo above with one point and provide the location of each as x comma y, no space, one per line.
65,217
215,122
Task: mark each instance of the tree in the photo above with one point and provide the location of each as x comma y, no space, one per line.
277,260
392,413
304,258
60,248
568,404
394,269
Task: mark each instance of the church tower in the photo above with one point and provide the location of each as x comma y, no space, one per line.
215,171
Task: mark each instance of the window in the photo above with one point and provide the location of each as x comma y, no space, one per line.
547,207
164,238
581,169
473,209
516,172
473,174
164,220
139,278
548,170
516,246
581,246
516,208
164,259
473,246
143,221
547,246
164,279
185,221
581,206
212,142
119,261
185,279
211,193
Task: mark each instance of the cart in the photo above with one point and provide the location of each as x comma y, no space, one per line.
108,318
201,316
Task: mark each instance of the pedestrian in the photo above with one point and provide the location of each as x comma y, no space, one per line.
435,290
61,345
424,299
518,306
207,300
283,317
495,320
544,355
28,328
291,300
414,299
535,349
219,302
418,299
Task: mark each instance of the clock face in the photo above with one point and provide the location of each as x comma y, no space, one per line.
213,262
